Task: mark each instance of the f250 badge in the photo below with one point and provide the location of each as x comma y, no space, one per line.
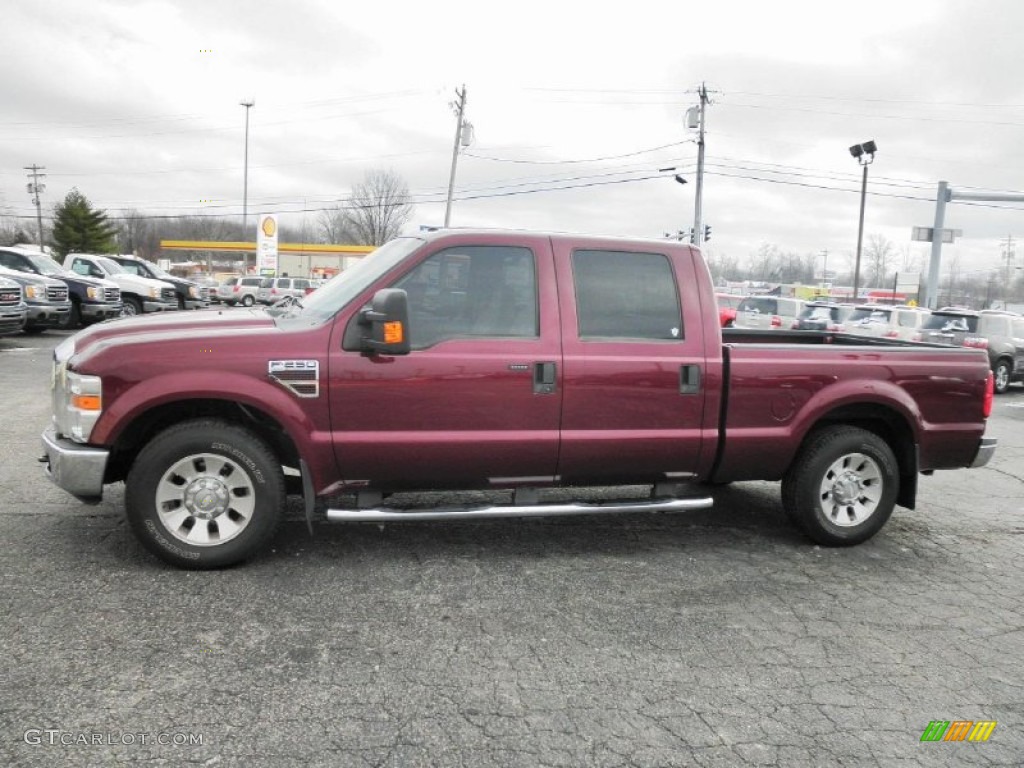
301,377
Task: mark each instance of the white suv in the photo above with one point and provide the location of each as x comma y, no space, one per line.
887,321
239,290
768,312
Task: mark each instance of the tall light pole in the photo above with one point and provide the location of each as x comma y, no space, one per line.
248,104
460,126
865,155
35,188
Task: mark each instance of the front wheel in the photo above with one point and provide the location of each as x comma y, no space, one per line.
842,487
1001,376
131,307
205,494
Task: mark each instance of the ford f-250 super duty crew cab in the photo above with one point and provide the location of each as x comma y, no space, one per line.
498,360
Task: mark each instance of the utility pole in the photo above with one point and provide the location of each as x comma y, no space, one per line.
698,209
35,188
460,109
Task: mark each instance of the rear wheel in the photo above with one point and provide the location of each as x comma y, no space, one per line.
205,494
1001,375
842,487
248,300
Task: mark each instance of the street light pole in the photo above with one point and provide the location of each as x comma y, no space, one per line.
248,104
865,155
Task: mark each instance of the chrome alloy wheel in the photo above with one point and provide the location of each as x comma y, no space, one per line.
851,490
205,499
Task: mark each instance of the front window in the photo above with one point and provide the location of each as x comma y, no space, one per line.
472,291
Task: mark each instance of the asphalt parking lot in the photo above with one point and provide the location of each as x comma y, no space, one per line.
718,638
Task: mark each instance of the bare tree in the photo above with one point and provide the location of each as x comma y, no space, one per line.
378,208
878,256
335,226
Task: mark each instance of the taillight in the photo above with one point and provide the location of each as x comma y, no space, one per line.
836,327
990,387
776,321
795,325
917,337
977,342
891,335
235,289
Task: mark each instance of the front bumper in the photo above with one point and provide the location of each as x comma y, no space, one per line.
47,315
76,468
149,305
11,322
100,311
985,451
196,304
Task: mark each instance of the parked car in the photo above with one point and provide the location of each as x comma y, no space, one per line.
1001,334
767,312
239,290
139,294
273,289
823,316
92,299
45,297
727,304
887,321
12,307
187,293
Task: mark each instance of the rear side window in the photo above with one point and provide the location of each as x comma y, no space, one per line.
624,295
996,326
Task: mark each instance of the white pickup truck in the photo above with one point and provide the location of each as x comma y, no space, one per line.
139,294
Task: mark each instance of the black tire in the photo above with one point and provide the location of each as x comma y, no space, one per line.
842,487
1001,375
248,300
33,330
132,307
74,318
181,303
222,492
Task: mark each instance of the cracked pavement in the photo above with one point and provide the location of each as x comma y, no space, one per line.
718,638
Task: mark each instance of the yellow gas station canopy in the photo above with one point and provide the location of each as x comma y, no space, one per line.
242,247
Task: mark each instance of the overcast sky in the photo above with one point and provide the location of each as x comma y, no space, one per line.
576,106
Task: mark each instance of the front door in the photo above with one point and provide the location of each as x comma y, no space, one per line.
478,399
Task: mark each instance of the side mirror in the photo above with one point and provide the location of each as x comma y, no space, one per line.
388,321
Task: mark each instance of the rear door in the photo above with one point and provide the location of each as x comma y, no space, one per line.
634,388
478,399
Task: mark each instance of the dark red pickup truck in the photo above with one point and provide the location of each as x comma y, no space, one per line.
474,360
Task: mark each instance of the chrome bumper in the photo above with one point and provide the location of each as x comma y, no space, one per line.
76,468
985,451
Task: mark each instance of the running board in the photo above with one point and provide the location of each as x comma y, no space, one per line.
532,510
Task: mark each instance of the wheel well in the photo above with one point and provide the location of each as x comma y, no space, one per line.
155,420
891,427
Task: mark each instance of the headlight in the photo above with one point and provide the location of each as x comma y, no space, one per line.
31,292
193,291
154,293
80,403
92,292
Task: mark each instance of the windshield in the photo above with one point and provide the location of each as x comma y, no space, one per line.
111,266
345,286
869,315
45,265
818,312
937,322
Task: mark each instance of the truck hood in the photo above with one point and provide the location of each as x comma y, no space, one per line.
137,284
74,277
172,325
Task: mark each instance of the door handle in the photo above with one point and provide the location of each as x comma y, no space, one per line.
544,375
689,379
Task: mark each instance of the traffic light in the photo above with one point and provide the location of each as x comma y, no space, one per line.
707,232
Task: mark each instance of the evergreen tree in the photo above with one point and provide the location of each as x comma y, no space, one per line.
79,228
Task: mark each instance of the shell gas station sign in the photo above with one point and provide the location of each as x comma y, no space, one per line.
266,245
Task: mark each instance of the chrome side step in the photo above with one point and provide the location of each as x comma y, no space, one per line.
385,515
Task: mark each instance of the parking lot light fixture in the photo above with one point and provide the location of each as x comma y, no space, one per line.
865,155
